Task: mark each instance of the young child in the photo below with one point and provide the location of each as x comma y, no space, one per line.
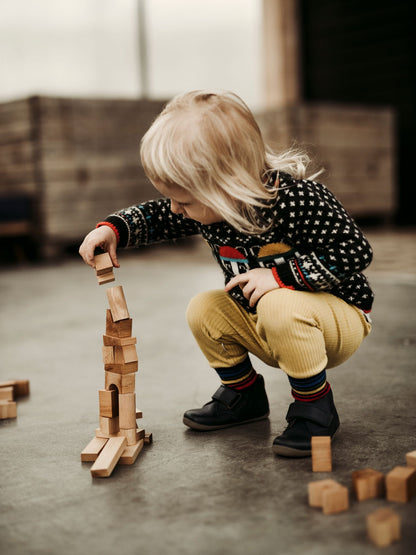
292,258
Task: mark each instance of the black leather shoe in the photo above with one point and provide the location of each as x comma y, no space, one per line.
229,407
306,419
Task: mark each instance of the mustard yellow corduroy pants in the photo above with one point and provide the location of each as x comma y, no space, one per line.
300,332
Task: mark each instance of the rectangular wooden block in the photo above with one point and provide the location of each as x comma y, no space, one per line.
133,435
6,393
148,438
368,484
118,305
411,459
127,410
8,409
109,340
108,354
105,278
109,425
21,388
123,328
108,400
401,484
131,453
383,527
129,368
139,413
125,354
321,454
108,458
125,383
103,263
335,500
316,489
93,449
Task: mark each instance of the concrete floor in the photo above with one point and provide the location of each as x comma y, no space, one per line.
188,493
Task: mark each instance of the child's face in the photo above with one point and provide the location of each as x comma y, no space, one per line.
182,202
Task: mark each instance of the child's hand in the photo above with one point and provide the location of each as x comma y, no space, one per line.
254,283
103,237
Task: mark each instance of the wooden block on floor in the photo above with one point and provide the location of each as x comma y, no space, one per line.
103,263
131,453
401,484
106,278
316,489
118,305
129,368
148,438
335,500
383,527
93,449
125,383
321,454
139,413
110,340
108,458
127,410
109,425
123,328
108,400
8,409
6,393
368,484
411,459
21,388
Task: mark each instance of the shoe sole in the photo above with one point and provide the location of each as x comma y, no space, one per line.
291,452
205,428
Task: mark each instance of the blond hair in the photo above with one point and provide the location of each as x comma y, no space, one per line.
209,144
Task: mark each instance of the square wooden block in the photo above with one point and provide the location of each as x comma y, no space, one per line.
383,527
411,459
335,500
316,489
368,484
401,484
123,328
103,264
321,454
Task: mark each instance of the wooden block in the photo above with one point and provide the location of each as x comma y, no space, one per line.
108,354
20,387
103,264
383,527
108,402
8,409
139,413
141,434
108,458
132,435
6,393
129,368
93,449
411,459
123,328
127,410
316,489
401,484
148,438
321,454
109,425
131,453
100,433
125,383
105,278
335,500
110,340
368,484
124,354
118,304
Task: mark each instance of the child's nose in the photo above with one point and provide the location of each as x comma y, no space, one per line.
174,207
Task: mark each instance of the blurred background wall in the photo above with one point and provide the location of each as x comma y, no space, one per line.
82,80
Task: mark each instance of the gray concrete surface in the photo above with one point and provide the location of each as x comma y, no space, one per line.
189,492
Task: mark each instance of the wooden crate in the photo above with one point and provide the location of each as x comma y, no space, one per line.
355,145
77,159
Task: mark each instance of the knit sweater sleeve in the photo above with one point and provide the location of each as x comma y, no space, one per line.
328,247
150,222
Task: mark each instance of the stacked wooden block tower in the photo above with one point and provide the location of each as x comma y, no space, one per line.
399,485
118,439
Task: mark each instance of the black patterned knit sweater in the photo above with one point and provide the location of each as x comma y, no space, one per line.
313,245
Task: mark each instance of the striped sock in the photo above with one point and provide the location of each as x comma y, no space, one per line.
310,389
238,377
